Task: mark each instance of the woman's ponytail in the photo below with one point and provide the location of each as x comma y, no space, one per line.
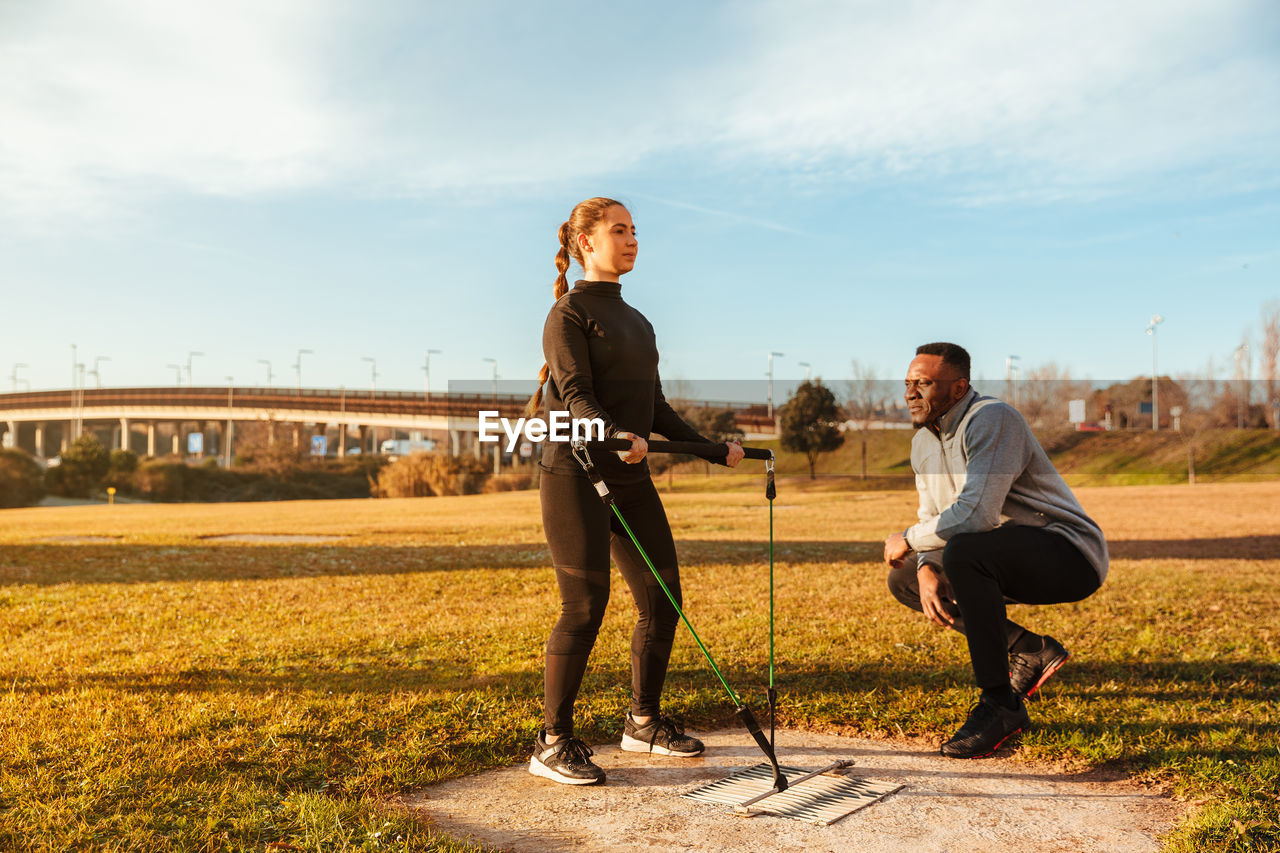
583,220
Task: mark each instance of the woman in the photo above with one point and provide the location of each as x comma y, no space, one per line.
602,362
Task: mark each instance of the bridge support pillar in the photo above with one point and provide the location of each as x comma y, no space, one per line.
10,438
151,438
124,434
40,431
455,443
342,441
177,439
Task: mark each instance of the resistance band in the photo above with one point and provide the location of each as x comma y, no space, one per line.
706,451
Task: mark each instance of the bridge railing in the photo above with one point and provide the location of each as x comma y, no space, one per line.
282,399
753,417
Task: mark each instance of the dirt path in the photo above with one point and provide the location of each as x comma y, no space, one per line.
976,806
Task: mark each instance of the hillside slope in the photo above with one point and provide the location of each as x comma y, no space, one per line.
1084,458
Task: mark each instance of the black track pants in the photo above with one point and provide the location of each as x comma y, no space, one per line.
905,587
582,533
1026,565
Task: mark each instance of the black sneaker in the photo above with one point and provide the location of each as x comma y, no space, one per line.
989,725
661,736
567,761
1029,670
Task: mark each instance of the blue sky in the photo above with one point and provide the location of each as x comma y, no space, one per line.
830,180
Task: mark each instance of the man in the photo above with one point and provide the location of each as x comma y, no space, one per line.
996,523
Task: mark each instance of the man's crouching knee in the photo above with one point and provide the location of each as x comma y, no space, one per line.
903,584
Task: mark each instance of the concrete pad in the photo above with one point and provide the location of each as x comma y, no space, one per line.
946,805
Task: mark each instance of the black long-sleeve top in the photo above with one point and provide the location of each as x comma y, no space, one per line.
603,360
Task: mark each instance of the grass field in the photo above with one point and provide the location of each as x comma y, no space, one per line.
161,690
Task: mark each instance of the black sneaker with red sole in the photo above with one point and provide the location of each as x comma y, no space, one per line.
988,727
1029,670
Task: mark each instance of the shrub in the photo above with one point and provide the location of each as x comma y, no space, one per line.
121,466
82,471
513,482
426,474
21,479
161,481
175,481
122,462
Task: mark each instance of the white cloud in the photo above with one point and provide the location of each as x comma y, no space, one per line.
211,98
105,102
1072,93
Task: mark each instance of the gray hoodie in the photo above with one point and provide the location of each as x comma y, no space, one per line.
987,469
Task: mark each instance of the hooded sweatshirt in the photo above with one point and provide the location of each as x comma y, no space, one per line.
986,469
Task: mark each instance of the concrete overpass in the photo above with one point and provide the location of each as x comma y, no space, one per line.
160,420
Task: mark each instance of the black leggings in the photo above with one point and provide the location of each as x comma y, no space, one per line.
582,532
1023,565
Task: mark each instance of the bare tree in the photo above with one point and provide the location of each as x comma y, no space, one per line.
1200,413
1270,350
864,396
1243,357
1043,397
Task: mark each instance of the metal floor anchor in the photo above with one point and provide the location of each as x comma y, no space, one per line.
820,797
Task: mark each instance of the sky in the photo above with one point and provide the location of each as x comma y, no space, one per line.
833,181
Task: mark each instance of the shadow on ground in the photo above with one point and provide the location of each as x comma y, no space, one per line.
49,564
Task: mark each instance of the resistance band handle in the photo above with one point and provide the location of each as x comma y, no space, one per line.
770,489
584,459
712,452
749,720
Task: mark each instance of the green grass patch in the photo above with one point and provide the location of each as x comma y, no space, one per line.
164,692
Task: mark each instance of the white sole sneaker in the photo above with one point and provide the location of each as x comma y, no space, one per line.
537,768
630,744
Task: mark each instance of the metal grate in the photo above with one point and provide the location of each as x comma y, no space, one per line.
820,800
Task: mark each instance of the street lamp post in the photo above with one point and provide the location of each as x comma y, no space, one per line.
297,365
75,424
808,370
190,356
373,392
426,367
97,370
78,394
231,424
1156,320
342,422
13,376
494,362
1010,378
772,355
177,372
497,452
268,364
